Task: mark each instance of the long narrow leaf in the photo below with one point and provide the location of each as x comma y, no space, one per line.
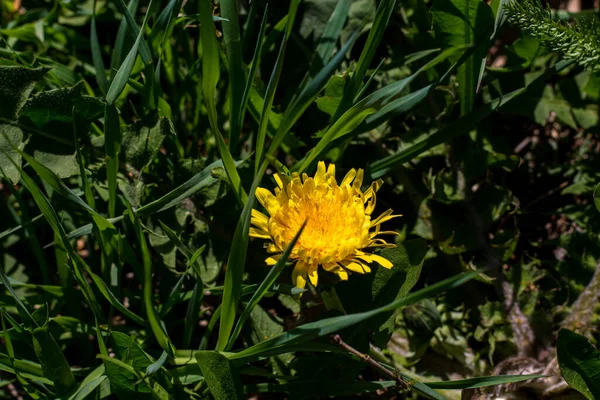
161,336
264,287
210,78
461,126
313,330
272,87
382,17
237,77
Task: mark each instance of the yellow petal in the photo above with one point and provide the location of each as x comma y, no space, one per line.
331,170
299,275
259,233
348,178
358,179
313,276
356,266
343,274
267,199
384,262
278,181
320,174
260,220
273,260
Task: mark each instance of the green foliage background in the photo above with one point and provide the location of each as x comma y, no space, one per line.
133,137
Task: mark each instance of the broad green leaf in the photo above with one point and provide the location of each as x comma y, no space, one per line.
52,105
54,363
462,22
579,363
597,197
17,84
141,142
11,139
223,380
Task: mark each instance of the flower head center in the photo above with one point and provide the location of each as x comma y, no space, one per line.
335,222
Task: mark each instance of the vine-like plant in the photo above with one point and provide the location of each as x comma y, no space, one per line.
578,41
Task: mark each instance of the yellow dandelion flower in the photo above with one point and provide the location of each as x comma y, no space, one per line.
338,219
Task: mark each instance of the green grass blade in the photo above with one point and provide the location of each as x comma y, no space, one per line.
97,54
134,31
55,182
461,126
46,208
237,77
330,35
198,182
161,30
112,146
264,287
192,258
235,267
21,309
192,314
313,330
482,381
173,298
16,229
308,94
87,190
210,78
29,233
88,388
195,256
272,87
113,300
120,79
209,329
382,17
256,58
123,38
148,290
